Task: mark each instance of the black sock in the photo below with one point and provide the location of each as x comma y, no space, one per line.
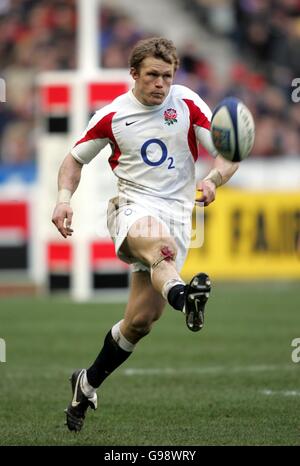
110,357
176,297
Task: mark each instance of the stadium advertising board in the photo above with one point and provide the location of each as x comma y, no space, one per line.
249,235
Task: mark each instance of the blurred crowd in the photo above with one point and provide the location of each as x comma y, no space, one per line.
266,38
35,36
40,35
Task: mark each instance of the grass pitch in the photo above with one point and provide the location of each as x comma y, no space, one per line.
233,383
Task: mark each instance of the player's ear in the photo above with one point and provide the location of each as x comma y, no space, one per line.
134,73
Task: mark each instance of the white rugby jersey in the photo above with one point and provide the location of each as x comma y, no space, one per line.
154,148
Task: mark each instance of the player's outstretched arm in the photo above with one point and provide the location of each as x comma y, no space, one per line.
222,170
68,180
225,168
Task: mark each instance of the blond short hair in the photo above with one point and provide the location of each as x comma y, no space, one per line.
157,47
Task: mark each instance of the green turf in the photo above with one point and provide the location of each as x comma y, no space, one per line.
233,383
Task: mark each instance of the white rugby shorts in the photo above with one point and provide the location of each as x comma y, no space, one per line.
123,212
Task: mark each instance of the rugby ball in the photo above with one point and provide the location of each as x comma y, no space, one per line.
232,129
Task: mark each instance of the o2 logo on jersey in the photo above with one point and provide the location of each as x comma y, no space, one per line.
164,154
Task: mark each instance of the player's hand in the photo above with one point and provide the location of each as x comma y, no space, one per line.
62,218
207,192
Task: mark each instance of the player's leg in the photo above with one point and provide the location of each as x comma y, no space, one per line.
144,238
145,305
149,241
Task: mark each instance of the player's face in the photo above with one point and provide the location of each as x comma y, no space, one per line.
152,81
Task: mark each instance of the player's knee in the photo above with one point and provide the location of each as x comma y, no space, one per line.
168,247
165,250
141,325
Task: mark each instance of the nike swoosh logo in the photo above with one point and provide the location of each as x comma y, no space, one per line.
74,401
131,123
